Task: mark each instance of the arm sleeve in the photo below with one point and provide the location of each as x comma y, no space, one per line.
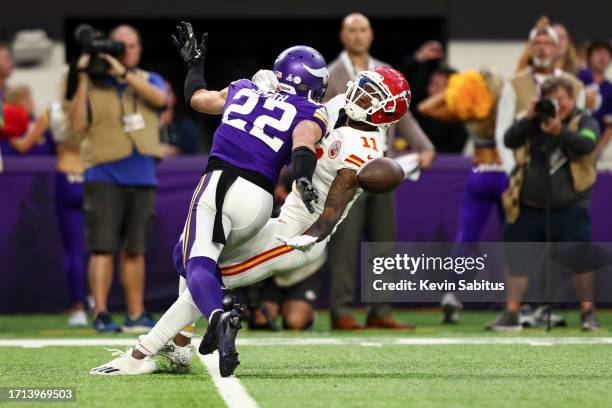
516,135
584,140
72,81
506,109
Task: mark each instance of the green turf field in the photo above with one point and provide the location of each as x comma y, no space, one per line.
364,369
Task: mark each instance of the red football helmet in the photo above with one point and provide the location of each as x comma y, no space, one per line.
388,92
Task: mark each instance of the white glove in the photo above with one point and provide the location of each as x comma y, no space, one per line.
266,80
303,243
411,165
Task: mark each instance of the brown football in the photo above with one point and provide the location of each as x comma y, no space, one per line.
380,175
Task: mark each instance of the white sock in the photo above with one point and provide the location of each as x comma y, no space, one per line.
187,331
182,313
182,285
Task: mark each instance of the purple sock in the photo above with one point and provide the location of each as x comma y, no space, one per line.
177,259
204,284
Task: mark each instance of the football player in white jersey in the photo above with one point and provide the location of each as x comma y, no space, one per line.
297,237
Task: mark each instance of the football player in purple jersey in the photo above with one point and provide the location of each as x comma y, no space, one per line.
261,131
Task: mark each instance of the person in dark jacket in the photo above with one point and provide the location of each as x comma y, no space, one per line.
554,148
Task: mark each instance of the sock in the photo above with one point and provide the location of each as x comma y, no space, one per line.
180,314
204,284
177,259
187,330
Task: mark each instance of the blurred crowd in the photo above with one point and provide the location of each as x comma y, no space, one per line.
553,117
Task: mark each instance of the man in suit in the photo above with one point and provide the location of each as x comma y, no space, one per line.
372,214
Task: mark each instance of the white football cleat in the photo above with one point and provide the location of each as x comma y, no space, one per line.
180,357
77,318
125,364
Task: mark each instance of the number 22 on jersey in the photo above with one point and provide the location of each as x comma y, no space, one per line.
245,107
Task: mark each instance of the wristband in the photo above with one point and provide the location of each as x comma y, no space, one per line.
304,161
194,80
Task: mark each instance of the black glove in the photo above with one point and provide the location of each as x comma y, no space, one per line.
308,193
187,45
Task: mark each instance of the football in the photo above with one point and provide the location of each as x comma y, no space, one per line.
380,175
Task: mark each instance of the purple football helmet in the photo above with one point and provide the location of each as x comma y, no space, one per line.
302,70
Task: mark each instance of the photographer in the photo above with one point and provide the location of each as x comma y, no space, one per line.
555,172
116,109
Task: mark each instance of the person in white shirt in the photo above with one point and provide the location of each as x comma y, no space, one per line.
524,88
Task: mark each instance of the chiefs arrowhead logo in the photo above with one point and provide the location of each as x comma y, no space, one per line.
334,149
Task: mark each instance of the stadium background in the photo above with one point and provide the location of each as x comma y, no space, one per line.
319,367
245,36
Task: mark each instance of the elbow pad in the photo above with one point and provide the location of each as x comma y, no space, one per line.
304,162
194,81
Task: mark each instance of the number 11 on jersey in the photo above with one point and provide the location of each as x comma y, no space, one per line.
367,144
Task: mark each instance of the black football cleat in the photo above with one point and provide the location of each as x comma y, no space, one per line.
226,331
209,340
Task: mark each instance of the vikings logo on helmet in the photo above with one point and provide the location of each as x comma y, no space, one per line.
302,70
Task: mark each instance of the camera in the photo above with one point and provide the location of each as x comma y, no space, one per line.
92,42
546,108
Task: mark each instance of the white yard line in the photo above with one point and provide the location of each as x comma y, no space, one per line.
229,388
333,341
